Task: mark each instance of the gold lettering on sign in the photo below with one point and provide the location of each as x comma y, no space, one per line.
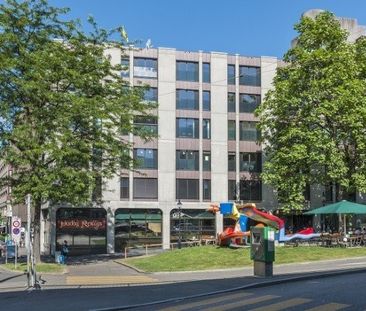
95,224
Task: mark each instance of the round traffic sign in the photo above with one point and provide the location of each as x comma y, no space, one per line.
16,231
16,223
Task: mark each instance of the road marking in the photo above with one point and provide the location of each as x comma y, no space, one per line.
329,307
207,302
95,280
283,304
353,264
241,303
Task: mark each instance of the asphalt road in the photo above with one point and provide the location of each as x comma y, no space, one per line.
346,292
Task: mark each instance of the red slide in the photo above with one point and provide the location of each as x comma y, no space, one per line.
228,234
251,212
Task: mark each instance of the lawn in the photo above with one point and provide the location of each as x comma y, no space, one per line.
212,257
41,267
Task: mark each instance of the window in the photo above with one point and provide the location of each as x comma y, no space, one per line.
250,190
145,188
206,72
206,161
135,227
232,162
187,189
125,63
232,190
151,94
249,76
145,68
206,129
231,102
147,158
248,102
147,124
187,128
187,160
231,130
248,131
206,100
187,71
206,189
250,162
230,74
125,188
187,100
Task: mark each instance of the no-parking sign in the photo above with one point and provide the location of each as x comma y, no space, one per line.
16,224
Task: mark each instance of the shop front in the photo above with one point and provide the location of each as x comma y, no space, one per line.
84,229
191,225
137,228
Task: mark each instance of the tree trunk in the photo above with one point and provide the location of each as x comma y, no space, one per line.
36,232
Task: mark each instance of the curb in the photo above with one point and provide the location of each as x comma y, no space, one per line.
12,277
131,267
310,276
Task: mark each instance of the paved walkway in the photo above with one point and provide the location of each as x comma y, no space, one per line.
105,271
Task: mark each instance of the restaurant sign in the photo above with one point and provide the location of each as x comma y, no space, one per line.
86,224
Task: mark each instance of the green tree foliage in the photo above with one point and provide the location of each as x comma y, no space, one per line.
313,122
63,106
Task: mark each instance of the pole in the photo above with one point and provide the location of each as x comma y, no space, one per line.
179,225
16,255
28,238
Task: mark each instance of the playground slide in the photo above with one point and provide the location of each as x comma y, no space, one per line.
229,234
250,211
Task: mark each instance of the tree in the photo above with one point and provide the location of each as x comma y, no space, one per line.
313,121
63,106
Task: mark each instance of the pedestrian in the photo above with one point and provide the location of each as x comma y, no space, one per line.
65,251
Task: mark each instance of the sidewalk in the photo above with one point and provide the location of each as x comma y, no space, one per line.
104,271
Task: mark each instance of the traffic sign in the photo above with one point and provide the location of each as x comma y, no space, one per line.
15,229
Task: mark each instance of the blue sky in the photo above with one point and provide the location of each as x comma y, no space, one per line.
247,27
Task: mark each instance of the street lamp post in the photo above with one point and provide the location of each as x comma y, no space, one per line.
179,205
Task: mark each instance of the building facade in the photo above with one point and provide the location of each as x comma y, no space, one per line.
206,152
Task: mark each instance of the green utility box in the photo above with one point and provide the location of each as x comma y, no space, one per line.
262,250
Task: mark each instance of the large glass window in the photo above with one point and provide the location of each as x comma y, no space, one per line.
231,102
137,228
206,161
206,129
146,123
191,224
187,160
187,71
230,74
232,190
125,63
250,76
250,162
206,189
125,188
206,100
206,72
187,189
249,131
145,68
151,94
145,188
84,229
232,162
187,128
249,102
250,190
231,130
146,158
187,100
